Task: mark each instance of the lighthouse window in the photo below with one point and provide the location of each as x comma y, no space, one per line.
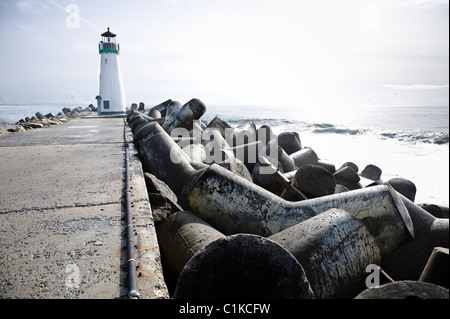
106,105
106,61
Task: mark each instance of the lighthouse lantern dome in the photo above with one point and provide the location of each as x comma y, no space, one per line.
108,43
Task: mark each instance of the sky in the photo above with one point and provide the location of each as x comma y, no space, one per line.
229,52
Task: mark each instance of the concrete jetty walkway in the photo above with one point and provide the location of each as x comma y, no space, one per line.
62,213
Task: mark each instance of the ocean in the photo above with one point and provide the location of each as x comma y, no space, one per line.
409,142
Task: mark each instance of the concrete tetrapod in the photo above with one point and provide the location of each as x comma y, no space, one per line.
436,269
180,236
184,116
406,289
243,266
183,235
162,157
233,205
334,249
408,261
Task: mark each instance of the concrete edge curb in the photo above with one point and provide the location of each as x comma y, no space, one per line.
150,281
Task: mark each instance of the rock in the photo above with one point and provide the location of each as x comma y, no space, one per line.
162,199
33,125
47,122
48,115
161,207
11,128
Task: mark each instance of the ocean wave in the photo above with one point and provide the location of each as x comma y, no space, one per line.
282,124
439,138
330,128
264,121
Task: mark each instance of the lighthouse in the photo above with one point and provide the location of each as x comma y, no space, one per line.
111,98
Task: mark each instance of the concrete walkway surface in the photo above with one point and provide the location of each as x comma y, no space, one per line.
62,213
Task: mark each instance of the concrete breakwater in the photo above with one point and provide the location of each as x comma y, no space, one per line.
242,212
39,120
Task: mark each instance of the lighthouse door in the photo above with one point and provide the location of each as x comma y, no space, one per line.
106,105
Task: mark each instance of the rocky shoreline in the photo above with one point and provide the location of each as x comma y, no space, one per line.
241,212
39,120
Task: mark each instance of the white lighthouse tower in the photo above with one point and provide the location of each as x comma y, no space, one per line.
111,98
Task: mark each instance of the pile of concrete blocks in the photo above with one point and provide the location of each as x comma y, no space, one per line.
252,214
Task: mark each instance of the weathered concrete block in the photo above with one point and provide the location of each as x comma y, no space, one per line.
220,125
408,261
290,142
304,156
347,177
334,249
314,181
183,116
243,266
436,269
405,289
404,187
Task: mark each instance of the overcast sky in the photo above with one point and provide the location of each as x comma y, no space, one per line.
250,52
